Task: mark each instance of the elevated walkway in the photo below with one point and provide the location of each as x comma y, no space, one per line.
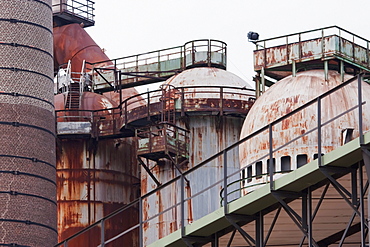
246,208
156,66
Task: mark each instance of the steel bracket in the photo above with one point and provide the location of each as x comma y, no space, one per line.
343,192
146,168
301,222
193,241
366,158
231,219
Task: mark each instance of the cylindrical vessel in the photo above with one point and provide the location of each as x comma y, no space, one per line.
214,103
339,123
27,126
95,178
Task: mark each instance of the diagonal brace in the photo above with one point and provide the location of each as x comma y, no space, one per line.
244,234
149,172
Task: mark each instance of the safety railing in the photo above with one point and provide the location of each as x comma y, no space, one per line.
192,190
313,44
161,140
158,64
82,8
225,100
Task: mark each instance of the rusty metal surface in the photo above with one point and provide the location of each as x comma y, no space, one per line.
209,134
310,47
72,42
159,65
287,95
94,179
193,91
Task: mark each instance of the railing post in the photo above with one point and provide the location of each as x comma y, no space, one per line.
221,101
141,244
225,182
102,237
182,102
319,131
271,161
209,53
359,88
126,114
148,105
182,205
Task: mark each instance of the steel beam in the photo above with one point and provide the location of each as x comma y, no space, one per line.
244,234
148,171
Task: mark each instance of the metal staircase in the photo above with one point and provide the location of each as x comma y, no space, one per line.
74,97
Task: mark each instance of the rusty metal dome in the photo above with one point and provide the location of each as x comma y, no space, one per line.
286,96
205,83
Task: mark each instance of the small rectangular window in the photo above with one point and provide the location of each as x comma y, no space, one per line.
259,169
301,160
249,174
285,163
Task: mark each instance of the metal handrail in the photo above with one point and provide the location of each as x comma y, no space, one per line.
154,96
77,8
263,41
259,176
223,152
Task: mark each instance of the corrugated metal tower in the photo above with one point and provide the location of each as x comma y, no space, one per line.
211,104
27,167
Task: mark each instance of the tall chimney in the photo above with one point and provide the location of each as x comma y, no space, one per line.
27,126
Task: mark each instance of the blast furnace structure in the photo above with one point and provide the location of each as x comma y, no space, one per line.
181,167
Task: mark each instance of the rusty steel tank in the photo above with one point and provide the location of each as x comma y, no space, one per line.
213,103
285,96
95,176
27,152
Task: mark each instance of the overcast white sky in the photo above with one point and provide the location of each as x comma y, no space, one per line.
130,27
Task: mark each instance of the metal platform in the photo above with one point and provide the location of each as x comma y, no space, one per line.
325,48
71,11
156,66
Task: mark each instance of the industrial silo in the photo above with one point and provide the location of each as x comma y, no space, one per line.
27,173
97,170
94,177
210,104
339,117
